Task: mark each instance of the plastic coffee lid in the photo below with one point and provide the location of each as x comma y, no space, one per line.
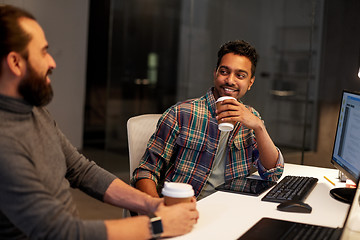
224,98
177,190
226,127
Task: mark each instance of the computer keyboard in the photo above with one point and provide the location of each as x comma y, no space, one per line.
300,231
291,188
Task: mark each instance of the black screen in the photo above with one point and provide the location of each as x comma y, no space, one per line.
247,186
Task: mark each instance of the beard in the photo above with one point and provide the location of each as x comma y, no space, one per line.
34,88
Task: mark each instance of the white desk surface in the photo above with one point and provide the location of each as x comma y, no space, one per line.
226,215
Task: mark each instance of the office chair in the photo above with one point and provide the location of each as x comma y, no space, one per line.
139,130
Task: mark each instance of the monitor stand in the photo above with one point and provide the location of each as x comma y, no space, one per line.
345,195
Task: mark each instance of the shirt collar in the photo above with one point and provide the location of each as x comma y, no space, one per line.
14,105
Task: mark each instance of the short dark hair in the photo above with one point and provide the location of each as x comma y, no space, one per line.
12,35
242,48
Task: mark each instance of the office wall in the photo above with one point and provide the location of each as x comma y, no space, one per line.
341,50
65,24
280,30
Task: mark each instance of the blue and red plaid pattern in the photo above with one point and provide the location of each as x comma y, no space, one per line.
183,147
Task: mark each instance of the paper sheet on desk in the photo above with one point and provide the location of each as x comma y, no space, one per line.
214,211
223,215
211,214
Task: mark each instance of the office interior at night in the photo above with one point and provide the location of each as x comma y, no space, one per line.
121,58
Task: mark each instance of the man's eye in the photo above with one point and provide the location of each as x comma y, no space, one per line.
241,76
223,72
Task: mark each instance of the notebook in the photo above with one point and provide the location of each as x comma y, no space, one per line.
282,229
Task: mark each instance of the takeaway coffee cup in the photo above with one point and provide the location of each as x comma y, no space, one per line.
174,193
225,126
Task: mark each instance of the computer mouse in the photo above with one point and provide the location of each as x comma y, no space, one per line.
294,206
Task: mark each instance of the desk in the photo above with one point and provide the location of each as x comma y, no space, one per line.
226,215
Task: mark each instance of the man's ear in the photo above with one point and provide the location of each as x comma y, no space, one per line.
252,80
215,72
15,63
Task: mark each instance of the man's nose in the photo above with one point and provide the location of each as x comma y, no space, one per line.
230,80
52,62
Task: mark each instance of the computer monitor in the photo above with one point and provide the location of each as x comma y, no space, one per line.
346,150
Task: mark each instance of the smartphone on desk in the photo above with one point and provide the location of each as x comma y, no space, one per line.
247,186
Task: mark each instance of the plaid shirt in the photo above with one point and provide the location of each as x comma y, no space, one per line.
183,147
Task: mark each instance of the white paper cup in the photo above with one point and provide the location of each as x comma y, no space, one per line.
225,126
174,193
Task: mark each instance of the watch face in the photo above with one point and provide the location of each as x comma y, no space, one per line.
156,226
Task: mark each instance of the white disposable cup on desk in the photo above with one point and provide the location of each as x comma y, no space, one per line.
174,193
225,126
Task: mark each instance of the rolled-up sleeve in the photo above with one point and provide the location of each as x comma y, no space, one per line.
273,173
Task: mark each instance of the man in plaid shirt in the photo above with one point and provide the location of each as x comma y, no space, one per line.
187,145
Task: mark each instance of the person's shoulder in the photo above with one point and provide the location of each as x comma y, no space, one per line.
191,101
182,108
43,113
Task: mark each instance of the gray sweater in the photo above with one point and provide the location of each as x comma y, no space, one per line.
38,165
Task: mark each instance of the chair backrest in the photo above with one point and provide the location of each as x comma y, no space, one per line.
139,130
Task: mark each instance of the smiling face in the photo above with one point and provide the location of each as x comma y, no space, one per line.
233,76
35,86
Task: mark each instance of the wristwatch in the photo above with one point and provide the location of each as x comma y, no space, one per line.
156,228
